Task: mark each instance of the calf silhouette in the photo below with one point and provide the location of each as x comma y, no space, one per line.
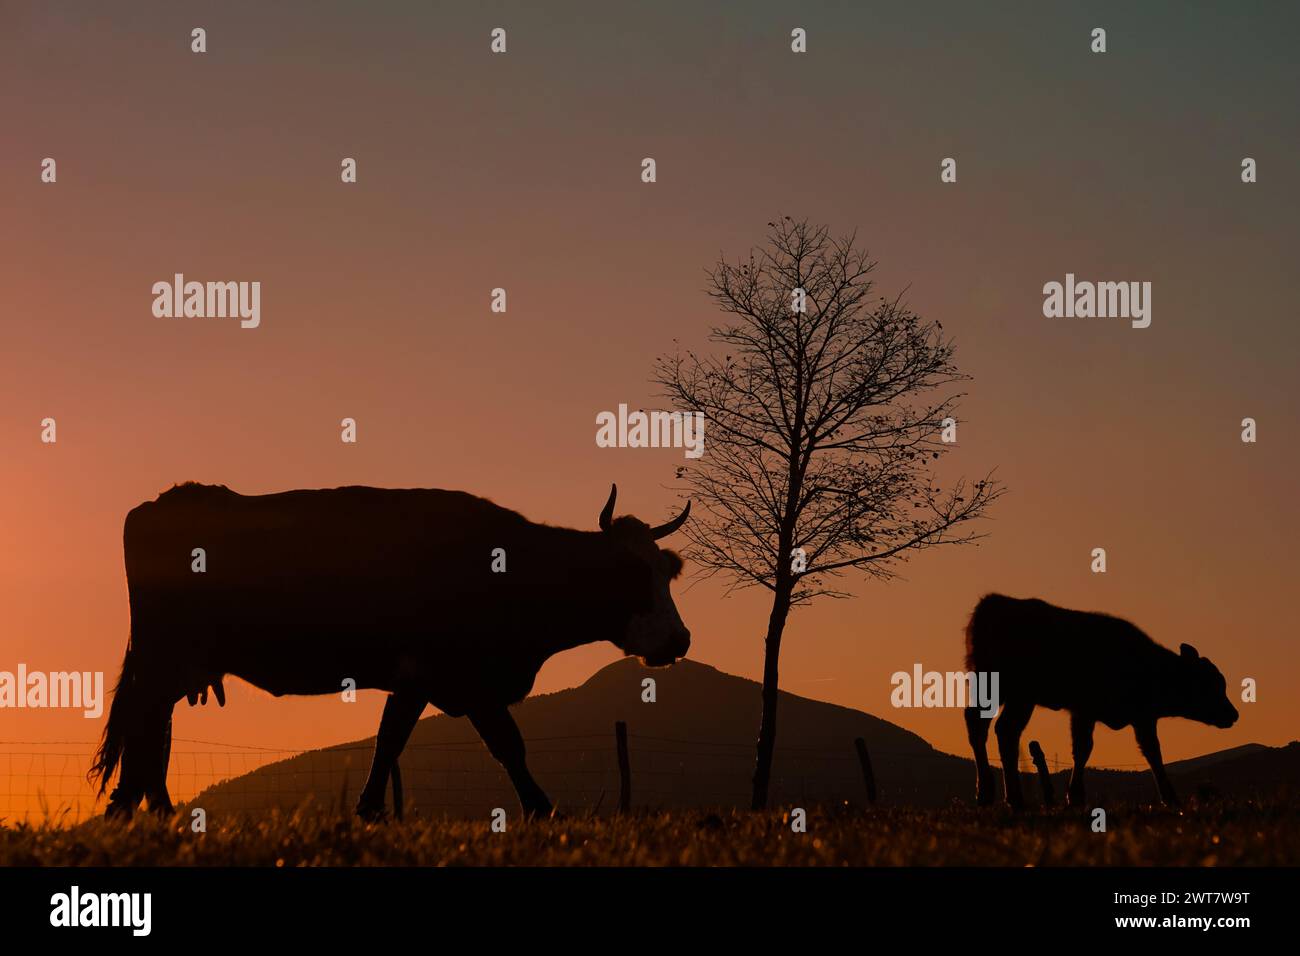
1099,668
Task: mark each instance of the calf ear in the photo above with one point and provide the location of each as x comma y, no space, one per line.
1186,650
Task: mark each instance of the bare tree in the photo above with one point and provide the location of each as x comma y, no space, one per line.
825,413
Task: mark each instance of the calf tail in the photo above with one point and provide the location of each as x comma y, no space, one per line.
120,713
974,635
983,640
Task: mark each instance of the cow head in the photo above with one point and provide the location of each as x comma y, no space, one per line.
657,634
1201,691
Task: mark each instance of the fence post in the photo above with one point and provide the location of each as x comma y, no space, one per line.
1044,778
868,777
397,790
624,768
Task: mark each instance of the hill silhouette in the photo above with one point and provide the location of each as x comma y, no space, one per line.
692,747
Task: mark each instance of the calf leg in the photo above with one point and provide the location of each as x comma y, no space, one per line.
401,712
1149,744
501,734
1011,724
1081,729
977,731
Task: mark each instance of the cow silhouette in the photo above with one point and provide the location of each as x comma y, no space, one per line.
394,589
1099,668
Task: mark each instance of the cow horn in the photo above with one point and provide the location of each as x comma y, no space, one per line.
607,512
664,530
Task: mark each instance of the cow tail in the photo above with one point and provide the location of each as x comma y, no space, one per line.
113,741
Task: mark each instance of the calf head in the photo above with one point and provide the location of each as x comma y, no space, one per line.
1200,692
655,633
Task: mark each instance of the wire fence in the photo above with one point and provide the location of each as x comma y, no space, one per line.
460,778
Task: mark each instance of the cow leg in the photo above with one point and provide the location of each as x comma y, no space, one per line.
977,731
501,734
1011,724
1149,744
1081,729
126,796
160,801
130,789
145,757
401,712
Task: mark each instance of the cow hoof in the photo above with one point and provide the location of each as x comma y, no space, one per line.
372,814
119,810
160,804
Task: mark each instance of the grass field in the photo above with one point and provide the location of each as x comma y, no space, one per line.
1222,833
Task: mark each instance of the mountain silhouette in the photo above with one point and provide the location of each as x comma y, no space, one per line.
692,747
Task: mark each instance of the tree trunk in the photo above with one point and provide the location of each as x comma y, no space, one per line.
767,728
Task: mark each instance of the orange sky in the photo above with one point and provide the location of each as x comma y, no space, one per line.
522,171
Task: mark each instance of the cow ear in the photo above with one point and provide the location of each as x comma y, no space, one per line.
1188,652
672,563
